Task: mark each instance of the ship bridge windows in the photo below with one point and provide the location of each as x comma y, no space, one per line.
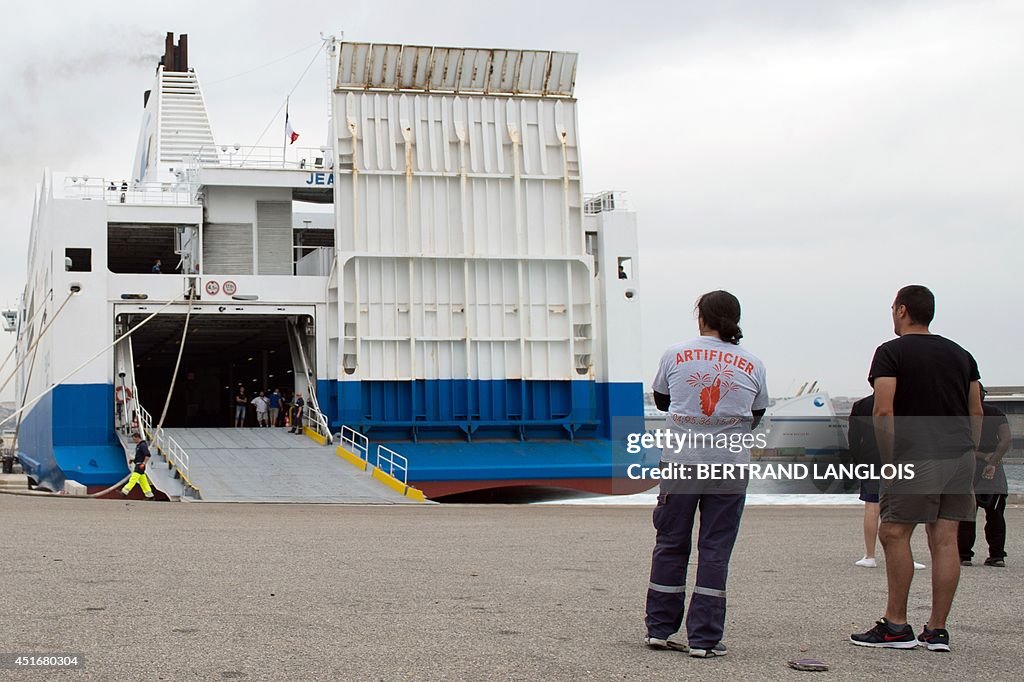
78,260
221,352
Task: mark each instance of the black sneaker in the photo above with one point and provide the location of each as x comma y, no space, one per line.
998,563
885,636
935,640
966,562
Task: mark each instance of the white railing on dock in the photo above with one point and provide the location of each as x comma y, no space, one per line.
393,464
355,442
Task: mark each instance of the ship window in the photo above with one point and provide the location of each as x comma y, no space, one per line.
625,268
78,260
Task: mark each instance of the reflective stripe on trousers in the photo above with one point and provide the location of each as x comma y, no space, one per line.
666,594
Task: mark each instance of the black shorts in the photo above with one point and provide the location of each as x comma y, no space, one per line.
869,490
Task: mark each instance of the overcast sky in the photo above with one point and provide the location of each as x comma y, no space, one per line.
811,157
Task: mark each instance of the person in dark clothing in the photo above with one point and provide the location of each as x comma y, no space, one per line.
286,408
241,407
139,474
927,413
157,267
990,490
275,406
864,450
298,405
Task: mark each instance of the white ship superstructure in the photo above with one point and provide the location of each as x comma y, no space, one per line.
464,302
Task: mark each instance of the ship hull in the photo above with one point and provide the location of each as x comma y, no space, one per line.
68,435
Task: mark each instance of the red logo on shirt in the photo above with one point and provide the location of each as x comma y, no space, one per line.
713,387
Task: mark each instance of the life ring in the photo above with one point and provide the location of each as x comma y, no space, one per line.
119,393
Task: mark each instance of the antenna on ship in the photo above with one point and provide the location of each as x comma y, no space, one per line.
331,53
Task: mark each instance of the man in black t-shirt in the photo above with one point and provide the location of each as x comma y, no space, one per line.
990,489
927,413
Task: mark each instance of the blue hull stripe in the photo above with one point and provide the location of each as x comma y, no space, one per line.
459,430
69,434
456,430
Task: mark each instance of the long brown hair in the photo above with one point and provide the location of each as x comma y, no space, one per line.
720,311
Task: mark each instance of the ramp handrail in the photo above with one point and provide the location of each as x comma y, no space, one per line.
174,453
355,442
318,422
312,405
397,466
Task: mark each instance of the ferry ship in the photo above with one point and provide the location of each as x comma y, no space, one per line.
464,312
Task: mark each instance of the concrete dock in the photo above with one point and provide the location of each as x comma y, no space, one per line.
169,591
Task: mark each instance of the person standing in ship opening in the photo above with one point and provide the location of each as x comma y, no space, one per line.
927,412
286,409
157,267
261,404
275,406
241,406
297,407
139,475
709,387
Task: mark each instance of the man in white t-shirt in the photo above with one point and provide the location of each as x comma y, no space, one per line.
261,404
715,393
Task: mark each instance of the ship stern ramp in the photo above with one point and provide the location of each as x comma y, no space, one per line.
273,465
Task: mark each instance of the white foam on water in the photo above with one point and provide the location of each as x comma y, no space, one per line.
649,499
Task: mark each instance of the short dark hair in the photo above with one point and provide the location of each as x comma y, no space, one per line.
919,302
720,311
136,434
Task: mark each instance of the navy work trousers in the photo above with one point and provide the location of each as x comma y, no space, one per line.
666,595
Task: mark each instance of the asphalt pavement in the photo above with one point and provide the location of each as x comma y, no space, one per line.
172,591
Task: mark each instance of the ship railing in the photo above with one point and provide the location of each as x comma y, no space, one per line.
355,442
604,202
312,159
318,422
392,464
172,452
120,192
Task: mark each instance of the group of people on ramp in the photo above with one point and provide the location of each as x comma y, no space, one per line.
275,408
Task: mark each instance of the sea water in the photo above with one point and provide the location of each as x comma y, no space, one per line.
760,495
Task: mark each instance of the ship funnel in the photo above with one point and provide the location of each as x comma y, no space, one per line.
175,56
